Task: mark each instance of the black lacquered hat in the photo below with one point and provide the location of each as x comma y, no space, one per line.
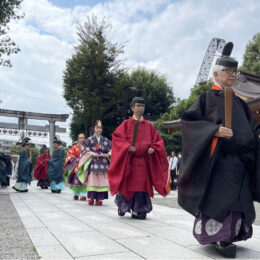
225,60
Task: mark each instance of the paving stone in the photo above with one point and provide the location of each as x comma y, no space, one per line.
89,243
117,256
42,237
153,247
53,252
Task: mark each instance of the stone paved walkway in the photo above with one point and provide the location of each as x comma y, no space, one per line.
15,242
61,228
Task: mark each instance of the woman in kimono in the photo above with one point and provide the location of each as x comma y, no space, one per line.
96,180
74,155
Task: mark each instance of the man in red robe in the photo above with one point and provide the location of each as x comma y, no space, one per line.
41,168
138,163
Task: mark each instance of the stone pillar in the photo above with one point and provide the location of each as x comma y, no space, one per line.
51,134
22,123
22,126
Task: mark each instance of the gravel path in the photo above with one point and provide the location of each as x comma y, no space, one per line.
15,242
172,202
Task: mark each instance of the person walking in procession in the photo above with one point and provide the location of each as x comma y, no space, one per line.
138,163
220,175
99,148
56,168
173,169
41,168
5,170
74,155
24,176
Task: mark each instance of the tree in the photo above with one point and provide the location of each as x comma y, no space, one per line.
8,11
97,88
91,79
155,90
251,61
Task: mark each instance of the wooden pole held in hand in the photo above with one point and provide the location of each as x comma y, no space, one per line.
228,93
135,132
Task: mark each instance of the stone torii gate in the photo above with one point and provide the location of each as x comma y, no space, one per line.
23,122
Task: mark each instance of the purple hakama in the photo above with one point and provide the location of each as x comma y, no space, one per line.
93,195
139,203
207,230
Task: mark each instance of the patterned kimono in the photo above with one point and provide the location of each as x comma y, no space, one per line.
97,180
71,170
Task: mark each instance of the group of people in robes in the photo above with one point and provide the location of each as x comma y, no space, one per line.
219,177
86,167
48,170
130,167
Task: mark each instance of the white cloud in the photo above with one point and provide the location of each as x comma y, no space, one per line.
170,37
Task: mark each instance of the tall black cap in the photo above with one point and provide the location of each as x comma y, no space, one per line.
56,140
137,100
225,60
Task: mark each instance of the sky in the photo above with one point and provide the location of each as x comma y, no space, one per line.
167,36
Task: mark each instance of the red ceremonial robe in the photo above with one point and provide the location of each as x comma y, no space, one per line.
138,171
41,166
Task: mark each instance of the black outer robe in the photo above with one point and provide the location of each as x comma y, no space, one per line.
197,192
5,169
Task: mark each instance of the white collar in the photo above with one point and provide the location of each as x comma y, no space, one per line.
137,119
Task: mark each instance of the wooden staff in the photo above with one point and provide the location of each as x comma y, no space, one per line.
30,154
228,93
135,132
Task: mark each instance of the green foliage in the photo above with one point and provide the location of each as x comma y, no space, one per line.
96,88
154,89
15,149
33,152
251,61
91,86
173,140
8,11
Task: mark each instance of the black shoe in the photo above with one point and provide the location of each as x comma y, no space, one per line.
228,251
15,189
54,191
58,191
46,187
42,187
24,190
141,216
121,214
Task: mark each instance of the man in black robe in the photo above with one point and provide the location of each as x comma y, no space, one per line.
220,176
5,170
